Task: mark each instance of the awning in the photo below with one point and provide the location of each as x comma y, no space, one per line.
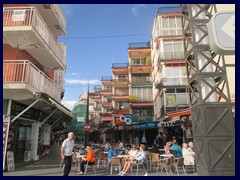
61,107
141,85
107,118
179,113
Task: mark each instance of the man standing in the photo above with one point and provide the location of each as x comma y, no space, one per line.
66,153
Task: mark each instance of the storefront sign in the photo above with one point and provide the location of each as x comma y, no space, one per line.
132,97
169,124
87,127
145,125
32,113
6,123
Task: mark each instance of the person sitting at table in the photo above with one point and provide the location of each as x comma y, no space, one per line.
188,156
140,157
176,148
132,153
167,147
113,151
89,157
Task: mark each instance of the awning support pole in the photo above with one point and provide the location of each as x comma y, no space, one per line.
48,117
24,110
55,122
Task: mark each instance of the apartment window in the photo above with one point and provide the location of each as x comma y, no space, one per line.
173,50
171,26
143,94
175,76
171,100
59,78
138,61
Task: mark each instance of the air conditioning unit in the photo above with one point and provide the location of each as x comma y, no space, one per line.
148,79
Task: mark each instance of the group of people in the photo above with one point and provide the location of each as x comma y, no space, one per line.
135,155
187,151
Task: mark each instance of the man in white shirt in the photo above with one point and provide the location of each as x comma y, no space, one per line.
66,153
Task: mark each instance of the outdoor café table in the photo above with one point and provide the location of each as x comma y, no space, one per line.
161,151
123,156
79,158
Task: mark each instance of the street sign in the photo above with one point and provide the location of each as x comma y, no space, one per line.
80,119
221,31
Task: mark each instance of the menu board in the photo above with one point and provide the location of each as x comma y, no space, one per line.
6,123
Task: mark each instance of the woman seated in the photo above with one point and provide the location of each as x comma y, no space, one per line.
89,157
167,147
132,153
140,157
113,151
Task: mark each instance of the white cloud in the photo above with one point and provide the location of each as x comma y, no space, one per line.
136,9
75,74
84,82
69,104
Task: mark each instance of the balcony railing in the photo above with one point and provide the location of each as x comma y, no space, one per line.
178,81
141,64
139,45
169,10
137,118
120,80
25,72
120,65
106,78
171,56
31,17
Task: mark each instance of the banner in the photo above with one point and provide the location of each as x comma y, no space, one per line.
19,15
6,123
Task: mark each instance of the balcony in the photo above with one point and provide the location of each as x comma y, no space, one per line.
120,82
140,45
106,80
169,10
142,118
167,56
106,92
171,82
98,88
141,80
107,104
120,68
120,97
26,76
140,68
24,28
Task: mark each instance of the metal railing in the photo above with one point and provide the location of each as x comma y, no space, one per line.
141,64
169,10
106,78
120,65
31,17
120,80
137,118
23,71
139,45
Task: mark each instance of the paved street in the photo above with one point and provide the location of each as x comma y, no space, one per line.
49,166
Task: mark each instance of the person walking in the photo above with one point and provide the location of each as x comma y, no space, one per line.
66,153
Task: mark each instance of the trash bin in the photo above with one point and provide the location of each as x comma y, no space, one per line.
27,156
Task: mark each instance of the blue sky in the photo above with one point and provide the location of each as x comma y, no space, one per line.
89,54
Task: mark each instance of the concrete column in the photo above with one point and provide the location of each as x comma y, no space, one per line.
34,140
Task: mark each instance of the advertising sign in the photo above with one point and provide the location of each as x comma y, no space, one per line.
19,15
10,161
124,119
145,125
6,123
132,97
80,119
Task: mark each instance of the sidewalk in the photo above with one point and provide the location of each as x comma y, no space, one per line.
49,166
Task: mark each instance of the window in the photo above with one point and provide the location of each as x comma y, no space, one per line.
182,99
171,99
143,94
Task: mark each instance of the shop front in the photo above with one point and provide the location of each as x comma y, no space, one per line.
147,129
32,122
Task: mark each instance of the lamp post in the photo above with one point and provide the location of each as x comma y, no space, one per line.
87,119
